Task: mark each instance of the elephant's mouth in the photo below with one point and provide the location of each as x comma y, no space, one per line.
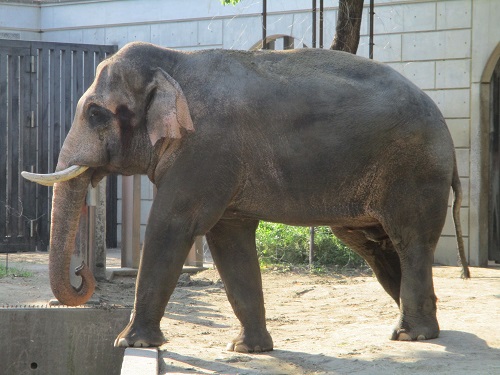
50,179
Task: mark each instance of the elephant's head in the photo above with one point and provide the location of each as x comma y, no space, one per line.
133,112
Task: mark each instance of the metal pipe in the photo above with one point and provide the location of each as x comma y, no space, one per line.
372,13
264,23
321,18
311,247
313,23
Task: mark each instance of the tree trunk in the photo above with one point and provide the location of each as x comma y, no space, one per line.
348,26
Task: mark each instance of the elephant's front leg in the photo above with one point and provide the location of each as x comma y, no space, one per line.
232,244
166,245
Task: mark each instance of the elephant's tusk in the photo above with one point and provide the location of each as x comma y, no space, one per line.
52,178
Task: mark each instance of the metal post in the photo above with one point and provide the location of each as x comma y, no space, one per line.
313,23
264,23
372,13
321,19
311,248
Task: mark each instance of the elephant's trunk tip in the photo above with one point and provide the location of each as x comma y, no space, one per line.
77,296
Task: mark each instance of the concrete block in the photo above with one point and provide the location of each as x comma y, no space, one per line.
460,131
330,22
447,251
116,35
449,229
279,6
141,33
387,47
54,36
175,34
452,103
280,24
94,36
242,33
486,34
119,186
142,234
145,208
463,161
61,341
210,32
146,188
453,74
420,73
142,361
465,182
454,14
388,19
297,25
405,18
17,16
437,45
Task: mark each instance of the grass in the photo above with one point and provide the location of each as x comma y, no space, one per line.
286,246
12,271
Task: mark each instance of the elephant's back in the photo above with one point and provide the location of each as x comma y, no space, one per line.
302,84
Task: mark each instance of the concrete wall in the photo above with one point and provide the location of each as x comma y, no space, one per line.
442,46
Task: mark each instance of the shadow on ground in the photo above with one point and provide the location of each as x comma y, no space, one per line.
458,353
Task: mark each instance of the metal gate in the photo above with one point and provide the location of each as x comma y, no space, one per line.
40,84
494,199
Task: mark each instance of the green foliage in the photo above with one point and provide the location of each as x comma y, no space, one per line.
279,243
13,272
229,2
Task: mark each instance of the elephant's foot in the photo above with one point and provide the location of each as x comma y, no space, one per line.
251,343
140,336
416,329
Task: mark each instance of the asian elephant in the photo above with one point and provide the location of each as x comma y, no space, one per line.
302,137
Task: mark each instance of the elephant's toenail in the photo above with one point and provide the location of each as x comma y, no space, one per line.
140,344
241,348
230,347
403,336
421,337
121,343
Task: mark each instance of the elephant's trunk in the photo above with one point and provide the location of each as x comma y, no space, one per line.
66,207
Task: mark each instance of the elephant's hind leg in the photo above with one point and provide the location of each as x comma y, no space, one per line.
376,248
232,244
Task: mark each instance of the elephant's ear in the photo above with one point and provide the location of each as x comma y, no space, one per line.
167,113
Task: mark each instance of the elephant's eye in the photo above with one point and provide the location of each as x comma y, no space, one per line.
98,116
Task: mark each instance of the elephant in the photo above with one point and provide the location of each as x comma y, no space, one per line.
302,137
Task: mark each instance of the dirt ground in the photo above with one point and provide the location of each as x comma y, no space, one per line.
327,324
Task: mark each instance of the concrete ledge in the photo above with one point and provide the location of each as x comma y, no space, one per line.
61,340
142,361
112,272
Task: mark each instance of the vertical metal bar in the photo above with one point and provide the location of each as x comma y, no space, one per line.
321,21
264,23
313,23
3,142
311,247
372,13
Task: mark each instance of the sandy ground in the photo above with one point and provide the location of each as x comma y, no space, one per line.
328,324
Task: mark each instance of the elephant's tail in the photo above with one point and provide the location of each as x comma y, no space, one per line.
457,201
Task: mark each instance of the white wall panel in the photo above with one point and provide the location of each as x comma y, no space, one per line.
437,45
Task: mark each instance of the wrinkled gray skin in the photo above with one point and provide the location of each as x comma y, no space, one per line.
304,137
